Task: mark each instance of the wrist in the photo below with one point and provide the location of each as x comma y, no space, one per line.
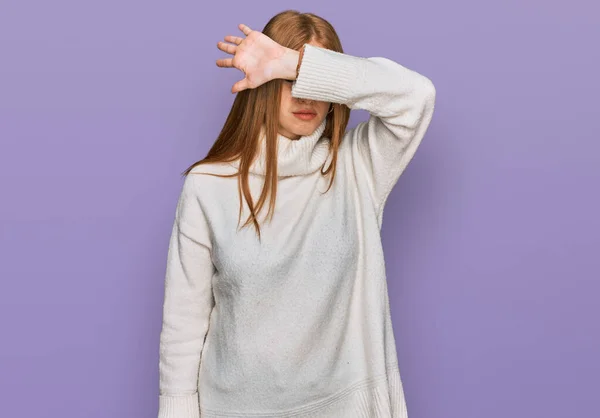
291,63
300,55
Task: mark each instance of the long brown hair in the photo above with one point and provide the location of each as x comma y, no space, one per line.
257,106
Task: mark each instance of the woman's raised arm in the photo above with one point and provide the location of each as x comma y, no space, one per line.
400,102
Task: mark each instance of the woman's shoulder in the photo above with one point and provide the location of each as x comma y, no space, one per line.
212,170
206,178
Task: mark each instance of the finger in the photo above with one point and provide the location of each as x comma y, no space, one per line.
225,62
244,29
227,47
234,39
240,85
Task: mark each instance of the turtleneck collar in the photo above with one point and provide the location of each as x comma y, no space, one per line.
296,157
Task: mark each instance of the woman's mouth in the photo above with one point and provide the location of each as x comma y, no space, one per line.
305,116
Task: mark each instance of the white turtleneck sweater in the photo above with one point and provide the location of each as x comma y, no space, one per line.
298,325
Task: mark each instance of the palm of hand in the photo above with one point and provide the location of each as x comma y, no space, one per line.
257,55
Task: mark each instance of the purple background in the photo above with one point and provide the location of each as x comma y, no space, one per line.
491,236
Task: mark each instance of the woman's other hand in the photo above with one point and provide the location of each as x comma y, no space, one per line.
260,58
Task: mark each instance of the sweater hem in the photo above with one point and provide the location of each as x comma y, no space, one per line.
380,396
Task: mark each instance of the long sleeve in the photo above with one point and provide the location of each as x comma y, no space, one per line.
188,302
400,102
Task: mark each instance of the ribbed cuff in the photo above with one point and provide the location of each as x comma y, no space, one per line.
179,406
328,76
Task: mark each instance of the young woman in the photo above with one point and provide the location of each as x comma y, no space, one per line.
288,314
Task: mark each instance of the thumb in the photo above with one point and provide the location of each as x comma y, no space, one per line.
240,85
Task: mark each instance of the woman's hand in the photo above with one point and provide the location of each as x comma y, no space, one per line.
259,57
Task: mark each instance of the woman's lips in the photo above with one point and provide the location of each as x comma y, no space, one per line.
305,116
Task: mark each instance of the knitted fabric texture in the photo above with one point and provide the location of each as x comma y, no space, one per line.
298,324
